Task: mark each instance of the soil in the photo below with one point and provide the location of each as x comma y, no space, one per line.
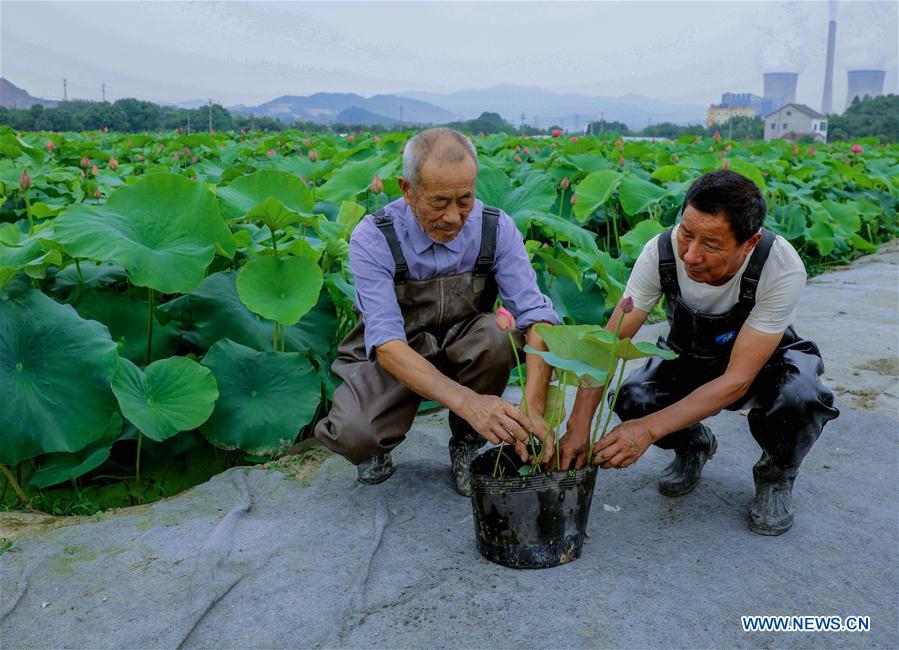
888,366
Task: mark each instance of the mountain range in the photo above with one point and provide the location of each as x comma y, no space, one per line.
539,108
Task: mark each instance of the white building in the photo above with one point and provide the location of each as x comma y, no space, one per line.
792,121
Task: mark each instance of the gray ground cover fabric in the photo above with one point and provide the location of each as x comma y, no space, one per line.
252,559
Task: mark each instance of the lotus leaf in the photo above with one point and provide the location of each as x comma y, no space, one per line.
636,194
55,369
265,398
56,468
162,229
170,395
594,191
282,289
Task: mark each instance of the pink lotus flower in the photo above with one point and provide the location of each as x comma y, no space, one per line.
270,153
565,184
113,164
194,159
376,186
573,138
504,320
96,194
95,170
626,305
308,142
350,138
810,152
573,199
376,139
49,146
716,136
313,157
857,148
24,180
619,144
721,154
517,158
525,151
622,161
140,158
518,149
85,163
177,155
556,133
795,149
725,164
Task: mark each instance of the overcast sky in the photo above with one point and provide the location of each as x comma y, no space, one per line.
250,52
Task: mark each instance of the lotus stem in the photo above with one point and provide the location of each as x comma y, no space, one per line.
559,411
275,338
613,364
524,397
78,271
615,230
605,428
16,487
274,242
150,327
140,437
28,212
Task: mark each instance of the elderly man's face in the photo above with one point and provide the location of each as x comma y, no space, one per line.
707,245
443,198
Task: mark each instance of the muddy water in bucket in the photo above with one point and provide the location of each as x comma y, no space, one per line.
530,522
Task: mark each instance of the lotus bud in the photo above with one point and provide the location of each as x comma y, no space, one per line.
140,158
626,305
619,144
96,194
721,154
194,159
810,152
113,164
573,138
729,147
518,149
573,199
376,139
95,170
270,153
517,158
24,180
176,155
556,133
795,149
725,164
525,151
622,161
711,149
313,157
350,138
716,136
49,146
376,186
565,184
504,320
308,142
85,163
675,158
857,148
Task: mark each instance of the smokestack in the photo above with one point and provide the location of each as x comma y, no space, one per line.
780,88
827,99
865,83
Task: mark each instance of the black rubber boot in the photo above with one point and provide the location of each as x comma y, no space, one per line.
463,448
376,470
682,475
771,512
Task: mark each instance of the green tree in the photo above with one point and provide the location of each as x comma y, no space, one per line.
871,116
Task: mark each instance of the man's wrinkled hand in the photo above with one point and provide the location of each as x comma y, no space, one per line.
498,421
573,448
545,434
623,445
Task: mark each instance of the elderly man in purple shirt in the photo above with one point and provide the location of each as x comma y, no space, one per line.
428,270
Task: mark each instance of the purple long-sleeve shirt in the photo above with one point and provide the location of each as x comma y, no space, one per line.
372,265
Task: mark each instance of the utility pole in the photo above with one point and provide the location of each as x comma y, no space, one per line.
188,121
103,91
602,122
65,91
401,113
522,124
577,119
210,117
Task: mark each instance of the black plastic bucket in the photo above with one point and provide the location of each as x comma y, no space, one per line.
530,522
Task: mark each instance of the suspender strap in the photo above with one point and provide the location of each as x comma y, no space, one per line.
750,280
385,225
487,254
667,268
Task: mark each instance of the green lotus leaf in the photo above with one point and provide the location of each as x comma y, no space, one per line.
533,197
126,317
586,374
354,177
636,194
170,395
560,263
282,289
581,306
218,313
60,467
845,216
633,241
573,342
55,369
287,197
594,191
265,398
626,349
567,231
162,229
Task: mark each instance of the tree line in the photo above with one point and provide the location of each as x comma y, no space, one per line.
877,116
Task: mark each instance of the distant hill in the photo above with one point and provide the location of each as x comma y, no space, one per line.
356,115
326,107
11,96
543,108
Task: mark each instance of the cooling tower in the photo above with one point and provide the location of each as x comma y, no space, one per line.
780,88
864,83
827,98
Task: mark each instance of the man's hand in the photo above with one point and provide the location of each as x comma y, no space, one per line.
623,445
547,435
498,421
573,447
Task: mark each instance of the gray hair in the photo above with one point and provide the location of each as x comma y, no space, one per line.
451,145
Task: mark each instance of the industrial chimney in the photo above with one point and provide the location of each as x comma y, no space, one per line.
780,88
827,99
864,83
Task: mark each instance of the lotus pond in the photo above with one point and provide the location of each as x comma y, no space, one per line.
170,304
